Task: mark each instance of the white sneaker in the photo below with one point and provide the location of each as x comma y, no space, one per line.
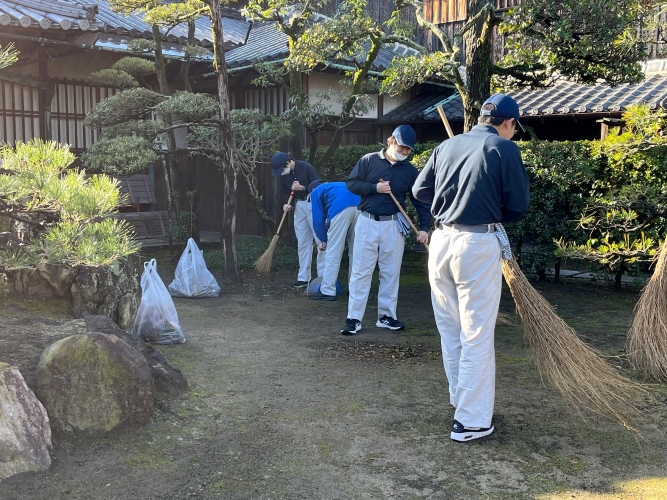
462,434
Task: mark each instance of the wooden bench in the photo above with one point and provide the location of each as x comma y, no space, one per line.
139,190
147,225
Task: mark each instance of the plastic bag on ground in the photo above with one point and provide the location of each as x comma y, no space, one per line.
192,278
157,320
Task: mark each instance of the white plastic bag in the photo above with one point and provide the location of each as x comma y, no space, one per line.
156,319
192,278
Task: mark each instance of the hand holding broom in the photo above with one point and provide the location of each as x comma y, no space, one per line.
398,205
263,264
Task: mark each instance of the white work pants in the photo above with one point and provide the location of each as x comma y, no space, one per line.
466,279
305,237
341,230
375,242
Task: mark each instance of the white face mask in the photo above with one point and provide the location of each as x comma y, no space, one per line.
285,171
398,156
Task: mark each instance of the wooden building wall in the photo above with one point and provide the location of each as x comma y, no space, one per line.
248,221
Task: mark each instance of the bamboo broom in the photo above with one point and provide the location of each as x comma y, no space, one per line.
647,338
263,264
577,372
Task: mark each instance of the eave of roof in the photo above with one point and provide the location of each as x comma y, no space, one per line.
73,15
564,99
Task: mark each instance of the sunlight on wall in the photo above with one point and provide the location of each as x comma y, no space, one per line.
652,488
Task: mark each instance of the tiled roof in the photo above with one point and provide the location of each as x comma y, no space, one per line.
267,43
49,14
564,99
96,15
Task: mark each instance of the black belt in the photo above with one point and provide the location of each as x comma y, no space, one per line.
465,228
380,217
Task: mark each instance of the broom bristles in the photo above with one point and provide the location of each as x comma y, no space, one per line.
647,338
263,264
575,370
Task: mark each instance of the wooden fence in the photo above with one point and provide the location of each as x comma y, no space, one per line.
210,187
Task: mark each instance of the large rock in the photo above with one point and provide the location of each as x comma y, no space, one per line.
166,377
93,384
25,435
111,290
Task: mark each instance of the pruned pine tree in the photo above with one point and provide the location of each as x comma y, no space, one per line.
133,126
545,40
60,215
8,55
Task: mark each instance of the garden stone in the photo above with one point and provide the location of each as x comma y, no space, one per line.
25,435
166,377
111,290
94,384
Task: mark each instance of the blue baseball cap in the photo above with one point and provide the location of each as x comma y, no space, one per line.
504,107
313,185
278,162
405,135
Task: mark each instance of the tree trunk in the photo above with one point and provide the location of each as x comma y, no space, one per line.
185,65
296,139
194,200
478,64
170,160
226,147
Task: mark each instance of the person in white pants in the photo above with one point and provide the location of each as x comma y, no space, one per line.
295,176
377,239
334,217
472,181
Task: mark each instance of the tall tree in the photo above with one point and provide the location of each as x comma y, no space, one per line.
546,40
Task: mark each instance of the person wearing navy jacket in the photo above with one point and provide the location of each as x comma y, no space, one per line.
334,217
296,175
472,181
377,238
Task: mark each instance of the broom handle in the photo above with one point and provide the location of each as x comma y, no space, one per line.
291,195
445,121
405,215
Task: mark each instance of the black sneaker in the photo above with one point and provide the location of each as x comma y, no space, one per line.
320,296
463,434
351,327
389,322
299,284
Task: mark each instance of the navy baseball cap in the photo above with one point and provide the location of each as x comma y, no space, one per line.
504,107
313,185
405,135
278,162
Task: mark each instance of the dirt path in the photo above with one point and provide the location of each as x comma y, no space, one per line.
282,406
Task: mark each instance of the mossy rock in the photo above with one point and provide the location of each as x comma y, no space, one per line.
94,384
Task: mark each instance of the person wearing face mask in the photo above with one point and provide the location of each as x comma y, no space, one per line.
377,238
296,175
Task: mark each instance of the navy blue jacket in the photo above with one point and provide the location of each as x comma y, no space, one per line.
401,176
303,172
475,178
329,200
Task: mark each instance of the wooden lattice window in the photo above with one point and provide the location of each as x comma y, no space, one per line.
69,106
506,4
271,100
19,112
